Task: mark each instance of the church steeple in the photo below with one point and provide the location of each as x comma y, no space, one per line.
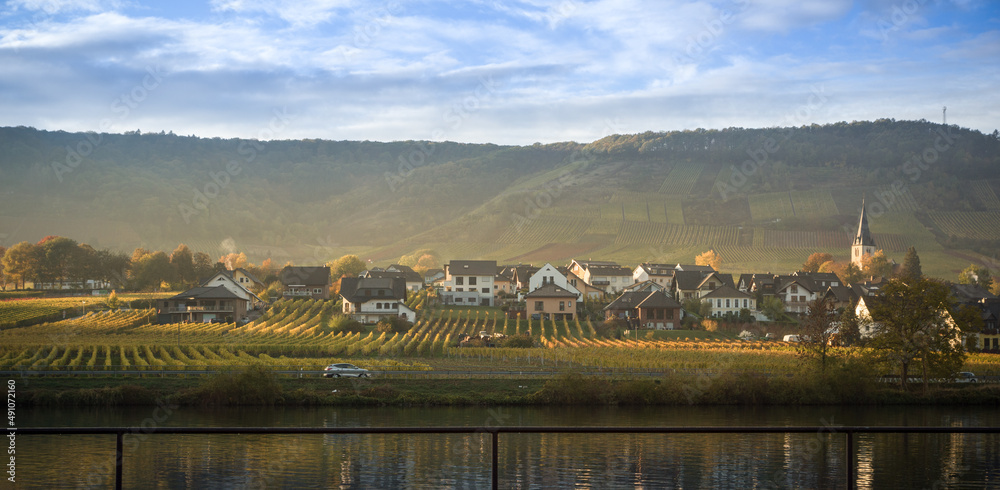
864,244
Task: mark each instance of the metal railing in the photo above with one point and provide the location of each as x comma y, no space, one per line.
848,431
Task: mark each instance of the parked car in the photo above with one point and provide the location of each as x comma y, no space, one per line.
965,377
792,338
345,370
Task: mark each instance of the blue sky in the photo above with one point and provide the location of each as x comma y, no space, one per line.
508,72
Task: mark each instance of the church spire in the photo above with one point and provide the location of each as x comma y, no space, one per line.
863,242
864,235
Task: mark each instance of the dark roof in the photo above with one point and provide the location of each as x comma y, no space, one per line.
306,276
842,293
550,291
642,299
658,299
657,269
648,285
217,292
353,289
696,268
725,279
970,293
472,268
746,280
586,264
804,281
410,274
688,280
726,292
864,235
609,270
432,272
382,274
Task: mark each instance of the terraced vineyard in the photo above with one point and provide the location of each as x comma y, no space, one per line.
544,229
983,225
297,334
769,207
983,192
681,179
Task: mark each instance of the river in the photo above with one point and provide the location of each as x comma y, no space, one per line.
525,460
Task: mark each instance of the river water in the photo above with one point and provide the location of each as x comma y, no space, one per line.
526,461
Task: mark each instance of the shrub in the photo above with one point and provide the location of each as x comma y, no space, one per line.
393,325
520,341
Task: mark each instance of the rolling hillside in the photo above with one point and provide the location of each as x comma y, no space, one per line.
763,198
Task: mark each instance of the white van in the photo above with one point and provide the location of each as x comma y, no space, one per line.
792,338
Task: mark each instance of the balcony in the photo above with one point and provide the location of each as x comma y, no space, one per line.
193,309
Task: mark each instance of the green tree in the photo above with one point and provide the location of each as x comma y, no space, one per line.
151,271
813,263
912,324
182,261
696,306
772,307
203,266
977,275
848,333
112,302
911,270
3,277
57,256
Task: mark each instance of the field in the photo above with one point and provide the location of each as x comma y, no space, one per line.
681,179
300,334
984,225
28,310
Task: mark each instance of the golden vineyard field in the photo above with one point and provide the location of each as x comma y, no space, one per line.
298,334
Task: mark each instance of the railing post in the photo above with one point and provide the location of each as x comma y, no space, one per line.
496,459
851,477
119,455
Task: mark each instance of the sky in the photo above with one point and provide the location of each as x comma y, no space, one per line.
485,71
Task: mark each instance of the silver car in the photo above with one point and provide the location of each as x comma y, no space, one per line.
345,370
965,377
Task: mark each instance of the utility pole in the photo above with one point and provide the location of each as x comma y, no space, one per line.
944,115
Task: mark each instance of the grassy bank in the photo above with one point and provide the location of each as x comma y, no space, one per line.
257,386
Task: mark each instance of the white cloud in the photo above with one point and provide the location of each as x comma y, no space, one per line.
787,15
295,12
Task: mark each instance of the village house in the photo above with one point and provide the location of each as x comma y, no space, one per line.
368,300
662,274
202,305
414,281
301,282
550,274
726,299
231,280
645,309
469,282
608,276
551,302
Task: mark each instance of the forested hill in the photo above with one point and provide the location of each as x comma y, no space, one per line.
762,197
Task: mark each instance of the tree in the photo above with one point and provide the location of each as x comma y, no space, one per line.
421,261
995,288
876,265
20,263
813,263
911,266
772,307
112,302
3,277
182,261
817,334
847,272
202,265
697,307
57,254
977,275
151,271
348,265
912,325
709,258
848,331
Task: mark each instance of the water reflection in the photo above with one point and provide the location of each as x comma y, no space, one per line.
525,460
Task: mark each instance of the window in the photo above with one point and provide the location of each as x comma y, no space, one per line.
569,303
745,303
461,290
166,304
472,281
727,302
459,280
458,300
562,306
393,306
486,290
539,305
378,306
795,289
317,290
669,315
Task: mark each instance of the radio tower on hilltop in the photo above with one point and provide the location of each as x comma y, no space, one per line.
944,115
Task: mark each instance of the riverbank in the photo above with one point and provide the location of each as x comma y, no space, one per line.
260,387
